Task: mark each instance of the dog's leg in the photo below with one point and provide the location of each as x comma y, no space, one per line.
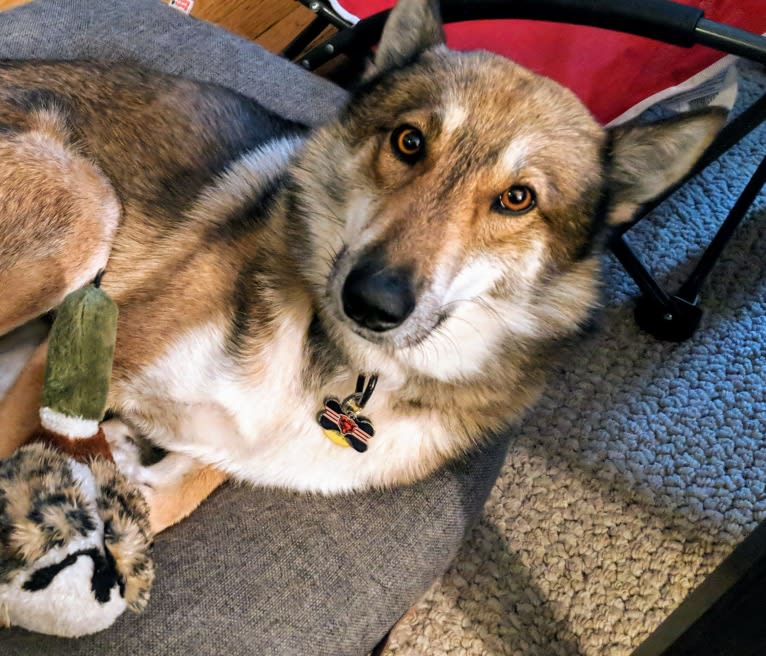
58,214
19,408
169,505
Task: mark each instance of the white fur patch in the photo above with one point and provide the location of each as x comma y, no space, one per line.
454,116
268,159
87,482
220,403
72,427
477,278
463,345
186,370
477,324
358,214
515,155
282,374
15,350
262,427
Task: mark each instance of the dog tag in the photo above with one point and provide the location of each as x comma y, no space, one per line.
341,421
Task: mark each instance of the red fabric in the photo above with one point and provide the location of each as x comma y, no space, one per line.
610,71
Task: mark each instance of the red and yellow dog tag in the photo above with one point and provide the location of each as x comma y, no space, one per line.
341,421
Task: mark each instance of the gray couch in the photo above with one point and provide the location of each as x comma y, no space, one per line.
257,572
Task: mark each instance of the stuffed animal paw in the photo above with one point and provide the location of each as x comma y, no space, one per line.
75,543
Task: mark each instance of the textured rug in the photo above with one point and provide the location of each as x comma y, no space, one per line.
641,469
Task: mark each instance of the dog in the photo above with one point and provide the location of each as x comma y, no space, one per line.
326,310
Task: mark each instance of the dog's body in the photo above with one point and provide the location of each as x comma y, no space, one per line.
439,234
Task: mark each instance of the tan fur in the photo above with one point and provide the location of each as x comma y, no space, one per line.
56,237
170,505
232,250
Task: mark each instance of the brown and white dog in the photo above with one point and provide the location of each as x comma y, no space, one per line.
441,233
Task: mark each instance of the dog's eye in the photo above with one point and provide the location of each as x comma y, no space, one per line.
408,143
516,200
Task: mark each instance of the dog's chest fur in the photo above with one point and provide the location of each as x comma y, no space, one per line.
263,428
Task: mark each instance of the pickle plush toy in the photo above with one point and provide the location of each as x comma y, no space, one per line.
75,540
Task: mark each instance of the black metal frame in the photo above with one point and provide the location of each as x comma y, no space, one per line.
675,317
665,315
326,16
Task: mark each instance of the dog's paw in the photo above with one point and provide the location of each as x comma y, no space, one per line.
145,466
124,443
167,473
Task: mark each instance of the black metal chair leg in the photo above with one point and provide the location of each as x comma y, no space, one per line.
690,289
300,42
664,316
325,16
676,317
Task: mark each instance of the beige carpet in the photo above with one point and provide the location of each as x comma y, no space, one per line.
561,566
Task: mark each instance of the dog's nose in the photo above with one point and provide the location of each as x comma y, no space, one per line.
378,298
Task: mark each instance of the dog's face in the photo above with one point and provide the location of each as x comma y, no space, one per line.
452,208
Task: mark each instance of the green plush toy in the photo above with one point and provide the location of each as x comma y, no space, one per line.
75,541
77,372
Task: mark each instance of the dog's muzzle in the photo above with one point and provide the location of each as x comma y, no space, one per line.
378,298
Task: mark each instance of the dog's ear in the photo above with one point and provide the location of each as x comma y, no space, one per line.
648,159
412,27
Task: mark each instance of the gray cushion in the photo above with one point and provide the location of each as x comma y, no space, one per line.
146,32
257,571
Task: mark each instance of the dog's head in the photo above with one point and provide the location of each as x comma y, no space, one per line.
452,208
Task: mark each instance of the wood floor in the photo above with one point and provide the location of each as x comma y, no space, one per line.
272,23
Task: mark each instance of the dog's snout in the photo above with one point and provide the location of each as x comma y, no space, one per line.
378,298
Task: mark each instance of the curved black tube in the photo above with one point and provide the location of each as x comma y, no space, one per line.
660,20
